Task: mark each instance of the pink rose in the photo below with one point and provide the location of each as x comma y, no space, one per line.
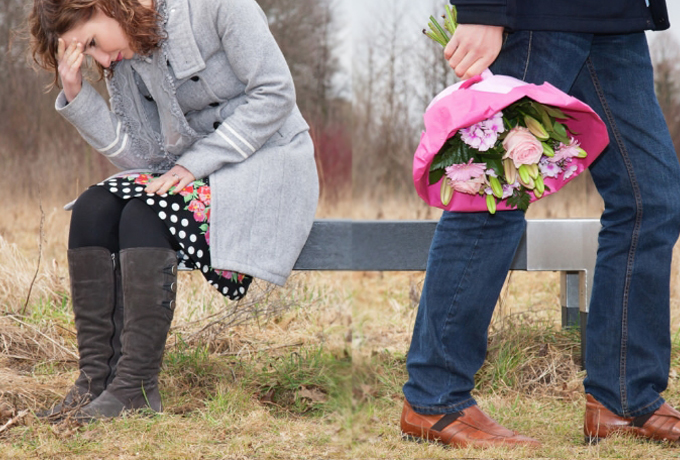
199,216
522,147
207,236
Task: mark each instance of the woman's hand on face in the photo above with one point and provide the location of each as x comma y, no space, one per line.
473,48
70,58
178,176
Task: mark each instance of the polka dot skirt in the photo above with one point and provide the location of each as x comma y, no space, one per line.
187,215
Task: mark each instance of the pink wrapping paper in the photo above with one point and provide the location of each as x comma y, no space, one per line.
479,98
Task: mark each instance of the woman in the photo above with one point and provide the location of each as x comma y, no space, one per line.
220,167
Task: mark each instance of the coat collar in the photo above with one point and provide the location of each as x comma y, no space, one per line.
182,50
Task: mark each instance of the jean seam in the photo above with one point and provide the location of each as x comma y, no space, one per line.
526,64
645,409
634,237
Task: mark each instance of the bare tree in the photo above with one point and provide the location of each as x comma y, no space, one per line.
307,32
396,74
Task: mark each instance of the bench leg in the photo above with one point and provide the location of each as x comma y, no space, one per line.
584,321
570,296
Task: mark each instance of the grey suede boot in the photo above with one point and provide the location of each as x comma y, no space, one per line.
149,291
98,312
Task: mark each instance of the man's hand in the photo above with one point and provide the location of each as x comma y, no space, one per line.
473,48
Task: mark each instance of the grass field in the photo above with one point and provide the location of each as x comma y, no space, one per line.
311,370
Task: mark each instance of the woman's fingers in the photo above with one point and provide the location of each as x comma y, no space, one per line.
71,56
177,176
183,182
70,60
160,185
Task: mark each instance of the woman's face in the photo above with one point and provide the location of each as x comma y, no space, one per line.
102,38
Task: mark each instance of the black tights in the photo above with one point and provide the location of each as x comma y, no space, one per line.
100,218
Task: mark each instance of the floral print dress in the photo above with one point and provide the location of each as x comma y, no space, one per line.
187,216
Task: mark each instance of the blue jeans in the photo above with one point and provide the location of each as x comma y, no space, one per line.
638,176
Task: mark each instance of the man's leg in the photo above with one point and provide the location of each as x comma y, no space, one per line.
468,261
628,351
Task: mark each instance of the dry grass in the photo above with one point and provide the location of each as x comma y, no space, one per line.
312,370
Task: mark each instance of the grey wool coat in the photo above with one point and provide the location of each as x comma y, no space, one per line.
224,85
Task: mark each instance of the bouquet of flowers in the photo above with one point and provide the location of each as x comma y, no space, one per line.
495,142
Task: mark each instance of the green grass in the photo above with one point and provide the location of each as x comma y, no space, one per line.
311,381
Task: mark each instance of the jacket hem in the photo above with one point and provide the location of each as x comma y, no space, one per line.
256,272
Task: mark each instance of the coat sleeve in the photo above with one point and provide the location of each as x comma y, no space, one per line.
485,12
99,126
255,58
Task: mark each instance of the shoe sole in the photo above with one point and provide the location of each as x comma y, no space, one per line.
413,438
592,440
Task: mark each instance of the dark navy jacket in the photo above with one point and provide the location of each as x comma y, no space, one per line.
589,16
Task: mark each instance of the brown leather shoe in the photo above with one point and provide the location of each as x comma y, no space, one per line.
470,427
661,425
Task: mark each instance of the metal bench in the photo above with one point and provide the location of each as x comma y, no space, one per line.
565,245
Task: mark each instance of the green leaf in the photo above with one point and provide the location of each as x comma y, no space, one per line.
497,166
559,132
543,113
488,155
453,152
520,199
436,175
555,112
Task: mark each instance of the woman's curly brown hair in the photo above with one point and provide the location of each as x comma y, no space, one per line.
50,19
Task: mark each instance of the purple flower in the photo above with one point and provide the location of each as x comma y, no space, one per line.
478,138
483,135
569,171
549,169
568,151
494,123
508,189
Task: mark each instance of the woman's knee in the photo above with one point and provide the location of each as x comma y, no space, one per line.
94,219
141,227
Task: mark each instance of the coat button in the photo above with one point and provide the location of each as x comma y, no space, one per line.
214,104
216,125
195,78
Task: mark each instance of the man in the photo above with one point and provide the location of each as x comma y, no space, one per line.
597,52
